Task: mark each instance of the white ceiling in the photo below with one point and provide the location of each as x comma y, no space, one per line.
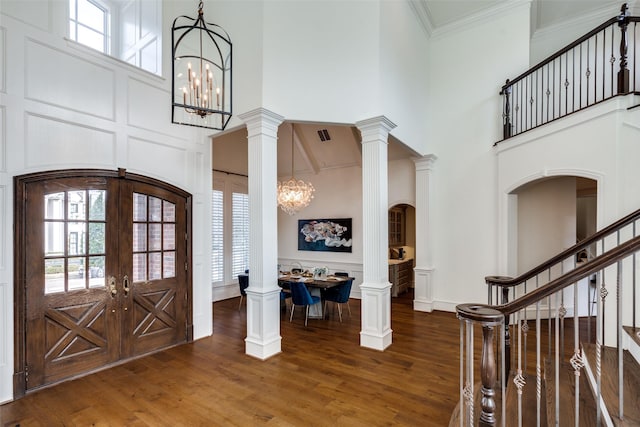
441,13
311,155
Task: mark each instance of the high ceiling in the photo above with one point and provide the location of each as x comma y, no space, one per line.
313,155
441,13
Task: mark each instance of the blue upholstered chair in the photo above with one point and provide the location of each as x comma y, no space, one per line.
284,296
300,296
339,295
243,283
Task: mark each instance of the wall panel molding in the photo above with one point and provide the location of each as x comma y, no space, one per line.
74,83
3,139
4,204
3,60
4,326
53,142
152,157
36,16
148,108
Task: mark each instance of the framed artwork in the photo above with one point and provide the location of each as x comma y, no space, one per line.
329,235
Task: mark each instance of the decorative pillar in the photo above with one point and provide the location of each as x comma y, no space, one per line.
263,294
375,288
423,271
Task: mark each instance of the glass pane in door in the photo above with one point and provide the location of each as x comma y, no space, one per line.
154,238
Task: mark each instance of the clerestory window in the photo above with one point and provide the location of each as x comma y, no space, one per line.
129,30
89,23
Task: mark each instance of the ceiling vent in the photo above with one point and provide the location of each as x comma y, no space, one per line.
323,134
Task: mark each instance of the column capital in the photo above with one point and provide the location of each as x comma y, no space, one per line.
380,126
425,162
261,120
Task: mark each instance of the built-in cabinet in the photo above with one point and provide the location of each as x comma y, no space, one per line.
397,226
400,276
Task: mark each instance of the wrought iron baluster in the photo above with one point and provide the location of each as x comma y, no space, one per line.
462,401
557,359
538,368
470,382
619,339
576,360
595,70
519,380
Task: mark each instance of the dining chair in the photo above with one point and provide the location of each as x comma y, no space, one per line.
341,274
339,295
284,296
243,283
300,296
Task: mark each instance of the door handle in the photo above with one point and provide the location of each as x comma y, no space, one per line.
112,287
125,285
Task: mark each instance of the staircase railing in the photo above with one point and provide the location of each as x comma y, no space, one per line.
617,246
582,74
502,289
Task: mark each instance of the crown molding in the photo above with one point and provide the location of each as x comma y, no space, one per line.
419,8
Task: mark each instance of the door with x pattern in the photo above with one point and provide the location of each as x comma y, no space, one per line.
106,273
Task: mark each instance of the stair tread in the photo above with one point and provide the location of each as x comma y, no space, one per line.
634,333
587,408
631,383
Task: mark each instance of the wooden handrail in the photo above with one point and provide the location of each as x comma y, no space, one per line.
505,281
487,313
567,48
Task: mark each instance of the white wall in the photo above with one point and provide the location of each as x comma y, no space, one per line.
556,35
467,71
331,62
586,211
66,106
546,220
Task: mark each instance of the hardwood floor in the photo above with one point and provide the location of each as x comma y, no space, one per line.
322,378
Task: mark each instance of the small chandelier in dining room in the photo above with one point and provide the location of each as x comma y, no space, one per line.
201,73
294,195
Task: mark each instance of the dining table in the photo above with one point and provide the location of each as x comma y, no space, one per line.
315,286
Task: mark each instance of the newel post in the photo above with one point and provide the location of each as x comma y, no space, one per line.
488,373
489,318
506,112
623,74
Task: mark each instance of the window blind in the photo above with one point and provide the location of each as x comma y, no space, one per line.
240,227
217,238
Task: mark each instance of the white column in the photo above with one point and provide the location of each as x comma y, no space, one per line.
423,271
263,295
375,288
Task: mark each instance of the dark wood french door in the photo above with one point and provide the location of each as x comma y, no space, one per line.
105,265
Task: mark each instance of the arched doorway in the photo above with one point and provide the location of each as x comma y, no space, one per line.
103,272
552,215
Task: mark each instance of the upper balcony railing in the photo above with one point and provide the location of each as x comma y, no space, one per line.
596,67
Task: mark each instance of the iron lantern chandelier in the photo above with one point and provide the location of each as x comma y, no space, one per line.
294,195
201,73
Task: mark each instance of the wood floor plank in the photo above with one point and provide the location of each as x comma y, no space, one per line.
322,378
